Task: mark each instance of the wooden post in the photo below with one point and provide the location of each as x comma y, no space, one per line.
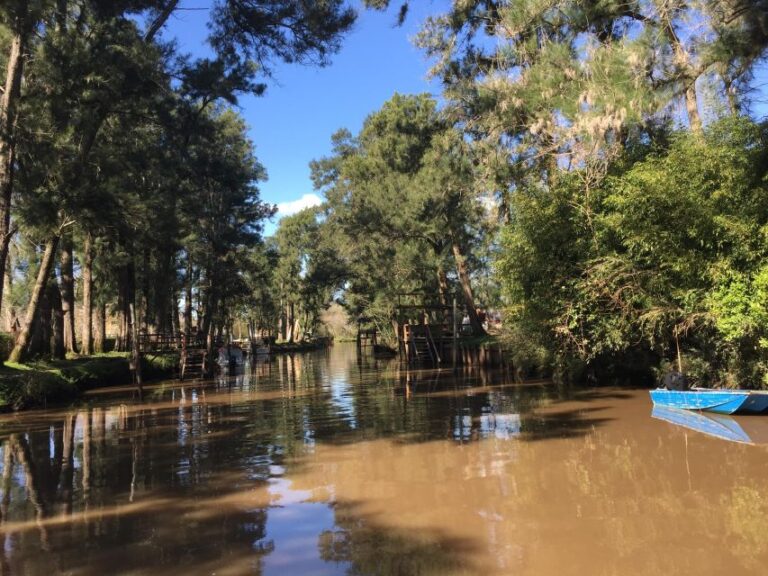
455,335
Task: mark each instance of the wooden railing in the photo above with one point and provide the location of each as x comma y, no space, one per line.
425,342
168,342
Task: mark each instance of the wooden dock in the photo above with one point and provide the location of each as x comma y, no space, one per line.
194,363
194,357
426,343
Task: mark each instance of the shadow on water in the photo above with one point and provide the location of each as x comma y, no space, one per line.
370,548
95,519
560,425
591,395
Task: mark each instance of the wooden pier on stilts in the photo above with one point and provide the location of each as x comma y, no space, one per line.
194,357
420,345
426,331
367,334
430,334
193,363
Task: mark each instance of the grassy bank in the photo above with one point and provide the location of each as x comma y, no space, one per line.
307,346
42,382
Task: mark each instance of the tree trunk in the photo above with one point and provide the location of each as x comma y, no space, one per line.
42,327
68,293
57,320
174,313
289,323
9,100
10,314
5,242
298,330
121,338
87,295
188,297
160,21
135,354
19,350
100,333
730,94
188,303
442,283
688,73
164,294
209,314
124,298
198,308
692,106
466,288
143,305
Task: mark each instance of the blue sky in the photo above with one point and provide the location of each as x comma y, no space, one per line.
292,123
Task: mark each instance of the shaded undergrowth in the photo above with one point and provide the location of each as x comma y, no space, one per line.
41,382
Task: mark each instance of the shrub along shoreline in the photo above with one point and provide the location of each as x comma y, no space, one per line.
42,382
39,383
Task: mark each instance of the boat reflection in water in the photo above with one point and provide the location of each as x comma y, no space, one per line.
745,430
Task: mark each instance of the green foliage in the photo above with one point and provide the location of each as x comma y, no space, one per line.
156,366
124,143
620,241
307,32
6,345
39,383
668,248
307,273
25,388
402,208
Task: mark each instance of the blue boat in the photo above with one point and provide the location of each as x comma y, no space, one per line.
723,427
756,402
720,401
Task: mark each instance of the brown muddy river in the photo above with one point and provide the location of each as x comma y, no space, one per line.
322,465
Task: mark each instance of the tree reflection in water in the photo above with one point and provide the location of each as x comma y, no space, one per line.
338,465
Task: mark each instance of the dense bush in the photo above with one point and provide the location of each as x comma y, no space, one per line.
666,250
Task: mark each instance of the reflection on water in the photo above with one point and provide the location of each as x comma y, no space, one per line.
751,429
330,464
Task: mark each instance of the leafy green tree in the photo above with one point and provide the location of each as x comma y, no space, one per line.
19,18
101,130
668,259
307,273
403,193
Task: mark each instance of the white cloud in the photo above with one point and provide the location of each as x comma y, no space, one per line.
288,208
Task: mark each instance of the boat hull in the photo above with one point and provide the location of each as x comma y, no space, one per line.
719,401
756,403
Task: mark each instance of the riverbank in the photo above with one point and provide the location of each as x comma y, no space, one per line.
40,383
304,346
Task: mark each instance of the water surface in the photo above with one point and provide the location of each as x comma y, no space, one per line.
326,464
